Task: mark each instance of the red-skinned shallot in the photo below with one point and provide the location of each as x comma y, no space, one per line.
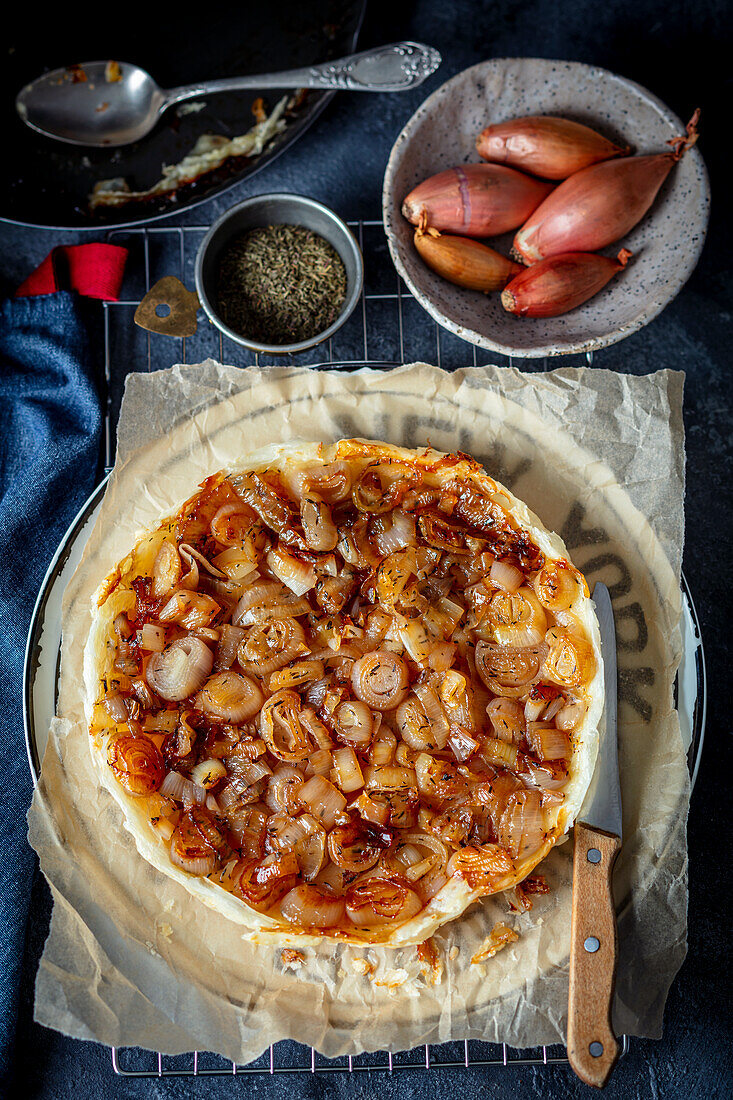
600,204
560,283
475,200
546,146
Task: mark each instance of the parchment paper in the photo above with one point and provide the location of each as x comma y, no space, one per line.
132,960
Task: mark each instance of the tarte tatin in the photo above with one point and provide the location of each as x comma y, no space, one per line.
345,691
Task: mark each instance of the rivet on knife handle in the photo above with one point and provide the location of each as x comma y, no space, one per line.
592,1045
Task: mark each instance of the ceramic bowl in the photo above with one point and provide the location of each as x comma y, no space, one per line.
666,243
278,209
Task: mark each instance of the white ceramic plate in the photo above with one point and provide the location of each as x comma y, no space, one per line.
666,243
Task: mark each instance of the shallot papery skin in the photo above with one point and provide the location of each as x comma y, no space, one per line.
598,205
465,262
475,200
550,147
561,283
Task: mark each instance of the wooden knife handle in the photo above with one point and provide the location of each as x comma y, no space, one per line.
592,1045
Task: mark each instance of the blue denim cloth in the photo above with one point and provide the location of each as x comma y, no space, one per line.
50,425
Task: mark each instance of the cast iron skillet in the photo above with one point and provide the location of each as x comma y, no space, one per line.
46,183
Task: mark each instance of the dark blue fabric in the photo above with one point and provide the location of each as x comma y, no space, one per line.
50,424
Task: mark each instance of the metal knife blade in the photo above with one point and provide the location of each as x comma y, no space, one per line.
602,805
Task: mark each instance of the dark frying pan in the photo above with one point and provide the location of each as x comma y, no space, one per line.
46,183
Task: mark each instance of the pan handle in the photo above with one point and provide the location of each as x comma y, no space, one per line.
168,309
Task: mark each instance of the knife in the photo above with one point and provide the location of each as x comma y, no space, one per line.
592,1045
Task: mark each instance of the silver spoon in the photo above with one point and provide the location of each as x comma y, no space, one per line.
106,103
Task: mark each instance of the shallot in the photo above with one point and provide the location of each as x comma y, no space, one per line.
180,669
546,146
560,283
600,204
475,200
464,262
310,906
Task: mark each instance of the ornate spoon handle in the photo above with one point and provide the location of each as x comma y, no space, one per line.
393,68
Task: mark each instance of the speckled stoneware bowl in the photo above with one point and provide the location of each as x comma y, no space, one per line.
666,243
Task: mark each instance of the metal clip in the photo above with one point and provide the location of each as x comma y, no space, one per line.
168,309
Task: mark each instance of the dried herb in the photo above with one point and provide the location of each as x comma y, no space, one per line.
280,284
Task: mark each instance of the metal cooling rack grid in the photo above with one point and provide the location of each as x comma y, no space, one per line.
292,1058
388,329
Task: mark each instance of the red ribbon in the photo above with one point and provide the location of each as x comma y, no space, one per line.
94,270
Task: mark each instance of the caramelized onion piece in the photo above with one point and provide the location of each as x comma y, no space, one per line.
547,742
137,764
330,483
380,679
195,559
382,485
481,867
152,638
507,718
348,773
270,505
520,829
283,790
310,849
233,524
312,907
196,842
518,618
354,723
262,884
570,661
272,645
571,715
230,638
281,728
506,576
295,675
190,610
323,800
416,729
318,526
247,825
377,901
393,531
437,531
295,574
352,847
166,570
180,670
232,697
557,585
268,601
507,665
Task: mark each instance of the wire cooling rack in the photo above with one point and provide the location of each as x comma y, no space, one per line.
387,329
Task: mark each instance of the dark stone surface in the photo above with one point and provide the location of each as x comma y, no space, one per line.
682,53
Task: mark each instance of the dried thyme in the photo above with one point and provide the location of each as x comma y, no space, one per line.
280,284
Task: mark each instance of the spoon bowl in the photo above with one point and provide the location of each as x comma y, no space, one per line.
83,106
109,103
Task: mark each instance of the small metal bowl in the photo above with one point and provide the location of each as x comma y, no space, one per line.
278,209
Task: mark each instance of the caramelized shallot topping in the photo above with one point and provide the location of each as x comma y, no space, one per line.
346,683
